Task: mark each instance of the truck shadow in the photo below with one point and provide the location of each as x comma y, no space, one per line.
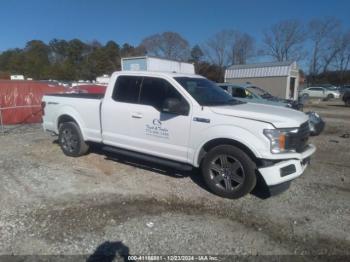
110,251
261,190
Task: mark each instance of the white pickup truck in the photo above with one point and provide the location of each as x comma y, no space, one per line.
185,121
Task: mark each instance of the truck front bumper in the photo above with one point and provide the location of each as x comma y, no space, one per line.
286,170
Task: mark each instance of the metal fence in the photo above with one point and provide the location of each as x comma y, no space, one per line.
16,107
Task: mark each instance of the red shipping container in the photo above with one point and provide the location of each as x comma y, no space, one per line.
20,101
91,89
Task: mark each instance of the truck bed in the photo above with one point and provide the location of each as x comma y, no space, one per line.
83,107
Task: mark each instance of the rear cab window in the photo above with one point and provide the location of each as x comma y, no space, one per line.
127,89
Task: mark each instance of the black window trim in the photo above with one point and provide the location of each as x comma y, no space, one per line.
140,90
166,80
115,90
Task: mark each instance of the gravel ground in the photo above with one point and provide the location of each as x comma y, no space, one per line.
51,204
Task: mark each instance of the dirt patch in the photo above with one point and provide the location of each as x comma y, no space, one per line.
68,221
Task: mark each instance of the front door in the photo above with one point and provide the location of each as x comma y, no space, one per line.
156,132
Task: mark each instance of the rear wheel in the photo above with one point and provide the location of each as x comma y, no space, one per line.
229,172
71,140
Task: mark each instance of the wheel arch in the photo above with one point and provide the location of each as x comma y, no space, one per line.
79,147
65,118
224,141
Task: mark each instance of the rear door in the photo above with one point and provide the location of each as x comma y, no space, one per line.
118,111
156,132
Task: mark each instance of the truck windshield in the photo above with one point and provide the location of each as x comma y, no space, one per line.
205,92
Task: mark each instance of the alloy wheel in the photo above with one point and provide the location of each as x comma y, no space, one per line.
69,140
227,172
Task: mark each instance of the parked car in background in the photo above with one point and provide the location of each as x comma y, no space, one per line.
344,89
346,98
253,94
316,123
320,92
330,87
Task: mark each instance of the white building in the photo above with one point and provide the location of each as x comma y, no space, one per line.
17,77
281,79
104,79
149,63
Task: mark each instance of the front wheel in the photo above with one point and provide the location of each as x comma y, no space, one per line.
229,172
329,97
71,140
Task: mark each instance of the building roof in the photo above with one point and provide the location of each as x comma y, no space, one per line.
266,64
152,57
261,70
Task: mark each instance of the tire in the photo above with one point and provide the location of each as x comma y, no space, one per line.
347,102
71,140
330,96
228,172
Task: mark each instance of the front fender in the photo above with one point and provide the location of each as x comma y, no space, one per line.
256,144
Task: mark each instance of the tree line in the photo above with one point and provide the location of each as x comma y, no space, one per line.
322,46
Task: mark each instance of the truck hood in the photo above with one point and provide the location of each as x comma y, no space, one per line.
280,117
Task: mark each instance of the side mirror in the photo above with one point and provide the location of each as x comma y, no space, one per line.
175,106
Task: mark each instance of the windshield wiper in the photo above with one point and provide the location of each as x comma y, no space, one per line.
219,103
266,95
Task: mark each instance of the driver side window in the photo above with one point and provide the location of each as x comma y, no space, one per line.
154,92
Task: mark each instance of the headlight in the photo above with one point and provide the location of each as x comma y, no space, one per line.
278,139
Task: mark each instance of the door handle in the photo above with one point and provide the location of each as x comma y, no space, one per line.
136,115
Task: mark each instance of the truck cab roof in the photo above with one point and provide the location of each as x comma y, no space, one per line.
156,74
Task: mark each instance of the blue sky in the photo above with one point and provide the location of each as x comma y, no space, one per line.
131,21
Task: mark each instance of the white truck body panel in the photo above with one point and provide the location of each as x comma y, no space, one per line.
86,112
272,175
142,128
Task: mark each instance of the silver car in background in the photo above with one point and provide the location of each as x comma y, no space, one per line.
320,92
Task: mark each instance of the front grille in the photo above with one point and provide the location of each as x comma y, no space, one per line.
299,140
